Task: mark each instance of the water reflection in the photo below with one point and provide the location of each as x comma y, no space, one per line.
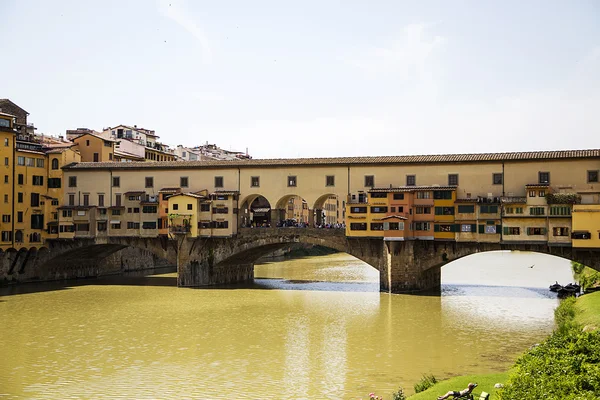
321,330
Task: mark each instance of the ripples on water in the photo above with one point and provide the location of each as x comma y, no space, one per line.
309,328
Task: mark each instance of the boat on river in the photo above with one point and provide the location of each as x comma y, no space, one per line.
569,290
555,287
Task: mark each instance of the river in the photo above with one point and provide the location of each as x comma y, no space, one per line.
315,327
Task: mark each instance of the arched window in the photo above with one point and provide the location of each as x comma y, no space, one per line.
55,163
19,236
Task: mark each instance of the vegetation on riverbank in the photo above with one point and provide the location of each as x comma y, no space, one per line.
586,276
565,366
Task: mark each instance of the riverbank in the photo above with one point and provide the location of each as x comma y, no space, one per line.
564,366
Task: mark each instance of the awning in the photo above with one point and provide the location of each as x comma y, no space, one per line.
261,210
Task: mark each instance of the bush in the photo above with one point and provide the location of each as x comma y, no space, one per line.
399,395
425,383
564,366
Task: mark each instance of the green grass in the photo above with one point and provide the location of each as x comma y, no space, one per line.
485,383
588,307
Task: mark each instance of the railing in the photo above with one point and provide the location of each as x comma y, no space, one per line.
180,229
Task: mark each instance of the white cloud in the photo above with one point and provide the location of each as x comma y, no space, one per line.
177,11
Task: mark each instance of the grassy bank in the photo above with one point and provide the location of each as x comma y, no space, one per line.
564,366
485,383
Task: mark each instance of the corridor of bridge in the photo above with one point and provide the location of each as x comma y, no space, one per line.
290,210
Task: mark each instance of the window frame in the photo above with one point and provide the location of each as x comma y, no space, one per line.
593,172
369,181
182,180
292,181
219,181
497,175
254,179
149,182
540,180
411,180
329,180
452,177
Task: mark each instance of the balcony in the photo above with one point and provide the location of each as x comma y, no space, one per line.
180,229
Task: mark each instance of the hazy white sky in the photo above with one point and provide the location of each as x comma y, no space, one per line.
312,78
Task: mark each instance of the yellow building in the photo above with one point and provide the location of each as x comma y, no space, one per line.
7,148
443,204
94,148
586,220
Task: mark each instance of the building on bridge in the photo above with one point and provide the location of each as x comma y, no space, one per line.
486,198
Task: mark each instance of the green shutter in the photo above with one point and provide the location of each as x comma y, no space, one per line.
528,231
543,231
456,227
481,228
498,229
436,228
505,230
473,228
438,211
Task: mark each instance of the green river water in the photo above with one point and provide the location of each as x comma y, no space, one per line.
309,328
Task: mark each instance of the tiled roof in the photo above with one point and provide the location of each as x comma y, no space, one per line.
170,190
466,200
419,159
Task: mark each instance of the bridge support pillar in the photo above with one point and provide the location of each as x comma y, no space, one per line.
196,264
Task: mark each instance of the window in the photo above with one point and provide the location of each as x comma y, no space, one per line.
183,181
149,181
71,199
379,210
291,181
115,225
20,216
54,183
490,229
6,161
6,236
358,226
189,206
86,199
107,143
497,179
82,227
118,200
30,162
72,181
393,209
102,226
376,226
560,231
398,196
330,180
488,209
67,213
369,180
115,212
395,226
102,211
133,225
205,207
149,209
20,160
581,235
221,224
204,225
39,162
422,226
19,197
67,228
423,195
5,178
544,177
467,228
542,193
87,142
536,231
442,195
35,199
6,218
254,181
6,198
116,181
96,157
110,156
149,225
222,210
54,202
411,180
444,211
219,181
510,231
6,141
423,210
358,210
560,210
136,210
452,179
466,209
536,211
175,206
592,176
20,179
55,163
100,200
532,193
518,210
443,228
378,195
38,180
37,221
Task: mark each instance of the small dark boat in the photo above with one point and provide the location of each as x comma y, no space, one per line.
555,287
572,286
569,290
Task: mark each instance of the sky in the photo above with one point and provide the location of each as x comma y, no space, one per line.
312,78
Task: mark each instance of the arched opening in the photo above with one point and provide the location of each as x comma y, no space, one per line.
329,211
55,163
255,212
293,211
19,236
